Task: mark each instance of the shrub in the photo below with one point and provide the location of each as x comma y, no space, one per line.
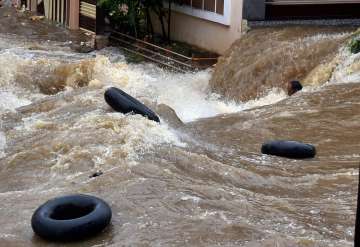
355,45
133,16
124,14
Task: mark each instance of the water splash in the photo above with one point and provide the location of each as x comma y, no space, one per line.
343,68
273,96
348,68
9,101
43,71
219,183
247,71
2,144
188,94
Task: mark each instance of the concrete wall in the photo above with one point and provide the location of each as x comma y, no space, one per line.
204,33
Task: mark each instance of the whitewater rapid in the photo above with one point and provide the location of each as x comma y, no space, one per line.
199,180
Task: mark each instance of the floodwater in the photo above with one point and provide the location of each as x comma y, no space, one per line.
198,178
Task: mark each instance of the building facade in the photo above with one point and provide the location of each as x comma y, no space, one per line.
216,24
73,14
210,24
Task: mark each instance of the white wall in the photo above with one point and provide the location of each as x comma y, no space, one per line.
207,34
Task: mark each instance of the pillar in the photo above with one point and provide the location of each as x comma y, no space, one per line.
33,5
74,14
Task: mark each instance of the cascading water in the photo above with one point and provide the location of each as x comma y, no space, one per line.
202,182
281,54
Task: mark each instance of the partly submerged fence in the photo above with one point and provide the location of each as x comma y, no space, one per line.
82,12
57,10
164,57
87,15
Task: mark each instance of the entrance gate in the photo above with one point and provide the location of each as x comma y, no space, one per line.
87,16
57,10
312,9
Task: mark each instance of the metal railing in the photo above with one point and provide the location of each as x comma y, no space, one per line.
162,56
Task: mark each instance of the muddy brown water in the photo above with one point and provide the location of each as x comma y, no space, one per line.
198,178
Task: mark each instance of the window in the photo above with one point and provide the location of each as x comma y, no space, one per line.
216,6
212,10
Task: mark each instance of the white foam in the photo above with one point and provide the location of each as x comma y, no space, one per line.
348,69
188,94
8,69
273,96
135,129
322,36
129,137
9,101
345,70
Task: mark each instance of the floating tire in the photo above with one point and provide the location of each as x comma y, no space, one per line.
289,149
71,218
124,103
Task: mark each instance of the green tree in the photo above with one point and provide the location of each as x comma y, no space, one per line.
130,13
124,13
355,45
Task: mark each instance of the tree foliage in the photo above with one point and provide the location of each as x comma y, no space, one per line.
123,13
133,15
355,45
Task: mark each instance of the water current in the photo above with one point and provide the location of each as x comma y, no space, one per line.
198,178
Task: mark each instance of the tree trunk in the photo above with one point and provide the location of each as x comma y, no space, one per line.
149,22
161,17
169,23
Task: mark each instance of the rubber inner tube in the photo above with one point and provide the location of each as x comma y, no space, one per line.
71,218
124,103
289,149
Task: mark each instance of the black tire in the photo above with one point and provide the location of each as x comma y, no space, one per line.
124,103
289,149
71,218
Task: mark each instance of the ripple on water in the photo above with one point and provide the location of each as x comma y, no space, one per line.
151,177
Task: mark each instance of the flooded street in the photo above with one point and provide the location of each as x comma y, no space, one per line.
198,178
